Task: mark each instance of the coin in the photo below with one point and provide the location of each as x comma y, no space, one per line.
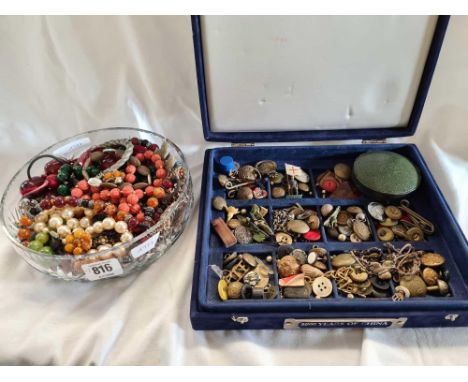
393,212
376,210
432,259
322,287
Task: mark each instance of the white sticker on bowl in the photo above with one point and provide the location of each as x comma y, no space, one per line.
144,247
102,269
292,170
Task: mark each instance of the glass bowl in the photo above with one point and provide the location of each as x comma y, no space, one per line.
119,260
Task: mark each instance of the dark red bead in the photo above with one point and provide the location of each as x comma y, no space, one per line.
133,225
45,204
156,216
53,181
52,167
153,147
139,149
135,141
167,184
71,201
59,202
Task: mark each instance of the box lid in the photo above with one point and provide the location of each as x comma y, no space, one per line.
306,78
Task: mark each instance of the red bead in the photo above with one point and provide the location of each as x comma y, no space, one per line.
329,185
83,185
167,184
131,169
160,173
76,192
96,196
155,158
312,235
138,149
104,194
135,141
115,193
127,190
157,183
139,193
140,157
130,178
133,224
132,199
148,154
135,208
124,207
159,164
149,190
140,216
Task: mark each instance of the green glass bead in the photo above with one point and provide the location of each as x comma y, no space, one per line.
77,171
66,168
63,190
92,171
47,250
62,177
43,237
35,245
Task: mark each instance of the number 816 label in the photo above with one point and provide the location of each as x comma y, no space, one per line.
102,269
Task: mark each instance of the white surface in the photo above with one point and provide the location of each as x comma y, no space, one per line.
285,73
61,76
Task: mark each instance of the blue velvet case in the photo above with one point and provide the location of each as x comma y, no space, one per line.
208,312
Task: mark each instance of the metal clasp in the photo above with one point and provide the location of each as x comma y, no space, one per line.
240,319
451,317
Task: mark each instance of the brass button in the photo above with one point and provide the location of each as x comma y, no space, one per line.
432,259
393,212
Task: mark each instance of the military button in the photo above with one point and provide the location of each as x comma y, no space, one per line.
222,289
432,259
358,277
380,284
266,167
278,192
387,222
354,210
385,234
234,290
430,276
393,212
322,287
284,250
252,278
342,218
283,238
245,193
415,234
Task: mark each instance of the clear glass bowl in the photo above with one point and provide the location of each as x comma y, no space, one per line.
134,255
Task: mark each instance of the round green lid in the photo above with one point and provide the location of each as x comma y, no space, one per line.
386,173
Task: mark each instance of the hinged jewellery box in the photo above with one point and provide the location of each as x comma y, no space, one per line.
302,79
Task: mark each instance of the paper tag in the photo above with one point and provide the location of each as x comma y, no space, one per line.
144,247
292,170
102,269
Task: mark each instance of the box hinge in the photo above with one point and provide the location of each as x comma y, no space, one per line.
374,141
246,144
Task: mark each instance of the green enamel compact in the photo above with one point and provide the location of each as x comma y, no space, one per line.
385,175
